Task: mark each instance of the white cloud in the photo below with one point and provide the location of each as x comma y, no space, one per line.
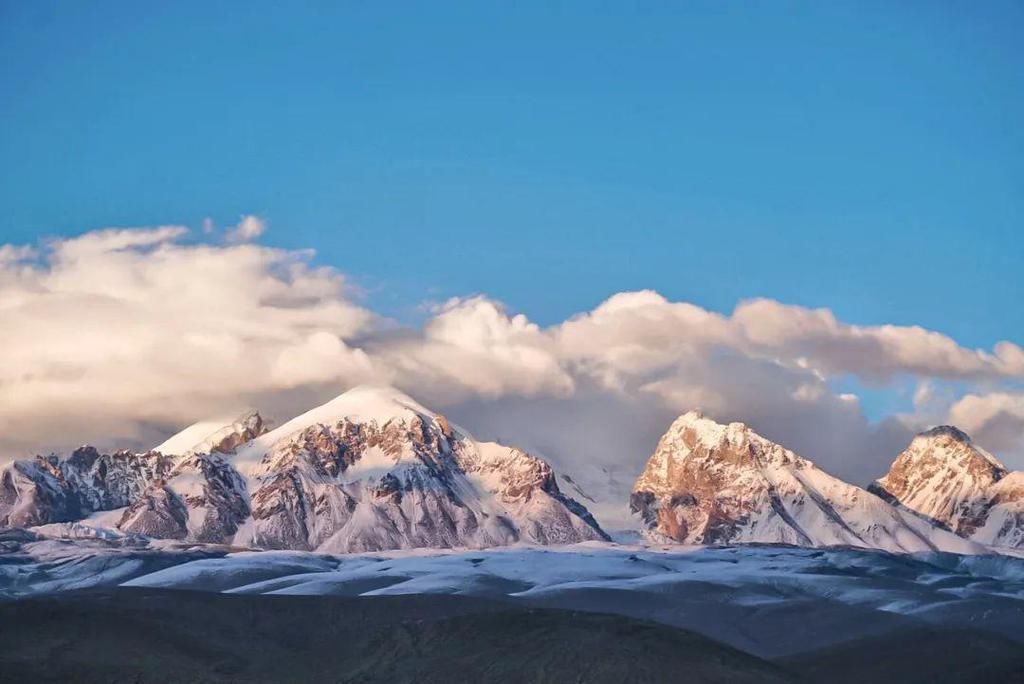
473,347
994,420
248,229
871,352
12,254
118,336
119,328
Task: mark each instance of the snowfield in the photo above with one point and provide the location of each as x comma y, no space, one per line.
768,600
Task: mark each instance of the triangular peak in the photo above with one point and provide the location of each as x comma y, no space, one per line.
950,431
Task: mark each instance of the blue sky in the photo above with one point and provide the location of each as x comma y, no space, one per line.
866,157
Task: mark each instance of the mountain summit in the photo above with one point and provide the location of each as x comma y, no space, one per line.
709,483
951,482
373,469
369,470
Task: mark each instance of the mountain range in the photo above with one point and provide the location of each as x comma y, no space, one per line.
369,470
374,470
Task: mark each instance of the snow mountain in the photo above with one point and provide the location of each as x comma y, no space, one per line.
370,470
374,470
222,435
956,485
50,489
709,483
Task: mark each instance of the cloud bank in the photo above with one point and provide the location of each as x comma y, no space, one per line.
120,336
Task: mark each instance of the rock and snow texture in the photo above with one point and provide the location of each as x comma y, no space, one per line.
709,483
954,484
183,489
374,470
370,470
203,499
767,600
52,489
220,435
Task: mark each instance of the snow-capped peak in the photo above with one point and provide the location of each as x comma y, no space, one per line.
694,432
216,434
951,431
951,444
365,403
373,469
712,483
361,404
945,478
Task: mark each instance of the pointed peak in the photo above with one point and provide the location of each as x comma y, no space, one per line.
951,431
370,402
953,444
362,404
378,393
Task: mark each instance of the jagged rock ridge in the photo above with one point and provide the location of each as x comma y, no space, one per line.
374,470
709,483
370,470
951,482
51,489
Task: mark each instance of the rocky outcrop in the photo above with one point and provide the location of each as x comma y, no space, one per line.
35,493
948,480
203,499
52,489
402,477
158,513
709,483
370,470
215,436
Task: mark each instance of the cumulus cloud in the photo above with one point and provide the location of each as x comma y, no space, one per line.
119,336
115,329
871,352
248,229
638,333
995,420
474,348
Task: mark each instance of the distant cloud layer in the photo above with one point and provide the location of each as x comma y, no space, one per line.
118,336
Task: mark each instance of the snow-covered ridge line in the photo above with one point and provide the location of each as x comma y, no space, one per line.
369,470
708,483
946,479
374,469
219,434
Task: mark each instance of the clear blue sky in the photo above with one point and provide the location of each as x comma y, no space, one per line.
868,157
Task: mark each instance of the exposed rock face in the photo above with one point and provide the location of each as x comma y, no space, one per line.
159,513
946,479
247,428
52,489
709,483
203,499
1004,524
115,480
35,493
371,470
400,478
218,435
